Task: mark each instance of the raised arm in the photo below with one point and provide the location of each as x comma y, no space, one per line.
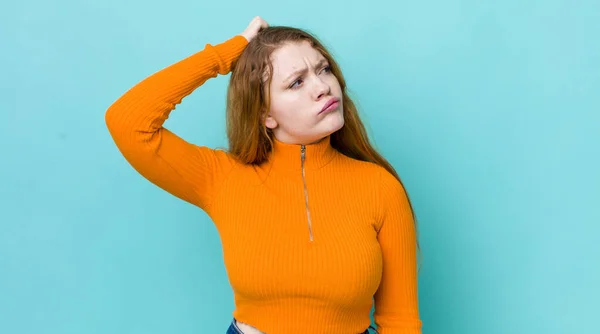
135,122
396,301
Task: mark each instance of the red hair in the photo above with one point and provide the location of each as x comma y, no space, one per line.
250,141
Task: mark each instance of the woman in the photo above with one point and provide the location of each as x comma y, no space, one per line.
314,223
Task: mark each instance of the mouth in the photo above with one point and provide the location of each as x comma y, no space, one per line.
331,104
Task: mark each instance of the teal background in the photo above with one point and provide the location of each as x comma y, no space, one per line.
489,111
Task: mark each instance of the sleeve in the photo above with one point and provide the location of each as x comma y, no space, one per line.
396,300
135,122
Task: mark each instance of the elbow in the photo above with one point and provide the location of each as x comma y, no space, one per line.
117,120
110,119
118,130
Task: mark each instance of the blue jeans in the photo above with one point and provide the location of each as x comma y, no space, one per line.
234,329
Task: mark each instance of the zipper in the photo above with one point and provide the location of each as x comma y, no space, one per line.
303,157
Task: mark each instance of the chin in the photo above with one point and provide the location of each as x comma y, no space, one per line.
334,123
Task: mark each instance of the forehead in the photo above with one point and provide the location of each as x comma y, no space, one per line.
294,56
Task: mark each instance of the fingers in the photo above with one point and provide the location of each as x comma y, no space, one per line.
255,25
258,23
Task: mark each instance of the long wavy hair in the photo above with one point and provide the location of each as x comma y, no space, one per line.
250,141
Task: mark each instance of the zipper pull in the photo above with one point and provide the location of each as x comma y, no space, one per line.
303,152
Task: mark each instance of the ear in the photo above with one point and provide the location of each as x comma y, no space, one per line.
270,122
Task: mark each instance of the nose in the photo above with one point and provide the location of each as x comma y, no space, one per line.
321,88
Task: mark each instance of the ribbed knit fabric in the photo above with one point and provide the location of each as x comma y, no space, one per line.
363,238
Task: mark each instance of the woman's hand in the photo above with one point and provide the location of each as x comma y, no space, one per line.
254,27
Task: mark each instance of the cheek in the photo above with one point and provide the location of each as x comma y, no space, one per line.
335,85
287,114
287,107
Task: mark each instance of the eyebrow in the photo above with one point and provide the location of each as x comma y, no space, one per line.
320,63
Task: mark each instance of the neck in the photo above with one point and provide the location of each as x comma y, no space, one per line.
291,156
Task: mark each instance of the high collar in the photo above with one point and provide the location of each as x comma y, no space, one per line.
289,156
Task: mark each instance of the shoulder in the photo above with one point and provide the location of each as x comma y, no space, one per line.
355,165
376,173
385,185
375,178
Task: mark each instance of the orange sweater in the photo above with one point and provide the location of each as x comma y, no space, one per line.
304,252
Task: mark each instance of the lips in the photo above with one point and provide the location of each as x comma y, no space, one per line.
330,102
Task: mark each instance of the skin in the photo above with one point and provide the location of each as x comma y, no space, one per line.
297,99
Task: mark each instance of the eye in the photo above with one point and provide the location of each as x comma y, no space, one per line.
295,84
299,81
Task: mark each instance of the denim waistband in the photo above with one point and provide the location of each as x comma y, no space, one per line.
234,329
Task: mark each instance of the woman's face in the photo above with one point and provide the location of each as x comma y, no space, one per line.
301,86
